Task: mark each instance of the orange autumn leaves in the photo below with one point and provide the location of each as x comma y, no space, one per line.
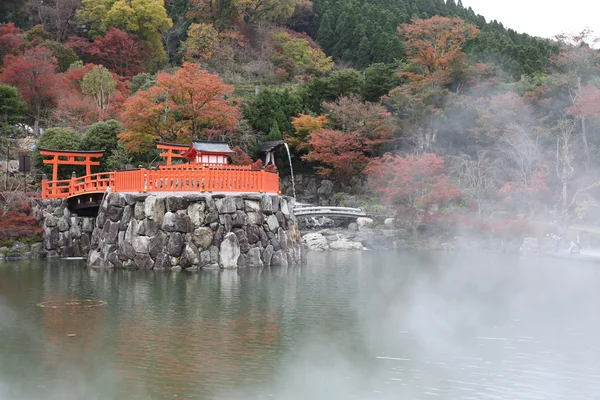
189,104
434,46
344,140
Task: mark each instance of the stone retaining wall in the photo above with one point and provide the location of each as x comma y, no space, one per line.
194,231
65,234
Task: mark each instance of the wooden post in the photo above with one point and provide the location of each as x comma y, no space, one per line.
72,183
55,167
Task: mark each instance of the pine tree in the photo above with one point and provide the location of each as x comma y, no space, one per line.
363,56
325,36
274,133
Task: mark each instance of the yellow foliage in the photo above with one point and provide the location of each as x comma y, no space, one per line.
297,56
304,125
146,19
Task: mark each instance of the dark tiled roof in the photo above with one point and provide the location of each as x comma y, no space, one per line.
72,151
211,147
270,146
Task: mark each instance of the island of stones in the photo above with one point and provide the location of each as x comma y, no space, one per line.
194,211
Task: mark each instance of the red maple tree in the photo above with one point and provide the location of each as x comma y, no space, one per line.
34,74
341,152
189,104
240,157
78,110
118,51
588,104
11,40
413,184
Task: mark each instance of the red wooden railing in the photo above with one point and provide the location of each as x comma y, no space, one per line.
172,178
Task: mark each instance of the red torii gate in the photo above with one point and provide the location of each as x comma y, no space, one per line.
71,157
173,150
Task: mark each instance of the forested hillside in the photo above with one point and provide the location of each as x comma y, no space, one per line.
439,108
364,32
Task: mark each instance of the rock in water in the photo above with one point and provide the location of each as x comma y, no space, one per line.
253,258
344,244
315,241
364,222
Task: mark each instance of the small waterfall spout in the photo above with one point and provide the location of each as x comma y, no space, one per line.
291,169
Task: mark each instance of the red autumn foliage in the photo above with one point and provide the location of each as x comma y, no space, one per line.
15,219
34,74
11,40
342,152
413,184
78,110
15,225
240,157
118,51
257,165
196,107
588,105
434,45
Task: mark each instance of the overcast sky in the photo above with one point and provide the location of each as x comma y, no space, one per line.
544,18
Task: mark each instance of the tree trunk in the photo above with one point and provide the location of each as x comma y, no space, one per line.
586,150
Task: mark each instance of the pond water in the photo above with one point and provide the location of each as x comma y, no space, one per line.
368,325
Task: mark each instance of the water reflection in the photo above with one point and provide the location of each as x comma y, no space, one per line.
347,326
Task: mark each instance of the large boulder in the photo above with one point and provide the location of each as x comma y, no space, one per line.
110,232
226,205
175,244
190,256
229,251
125,218
176,203
139,211
116,200
256,218
154,208
202,237
162,261
315,241
267,255
143,261
252,233
344,244
273,223
63,224
114,213
196,213
252,205
242,240
279,259
253,258
239,219
266,204
177,222
364,222
141,244
157,244
147,227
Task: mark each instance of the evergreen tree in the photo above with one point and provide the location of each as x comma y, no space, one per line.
379,79
325,35
274,133
363,57
12,109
